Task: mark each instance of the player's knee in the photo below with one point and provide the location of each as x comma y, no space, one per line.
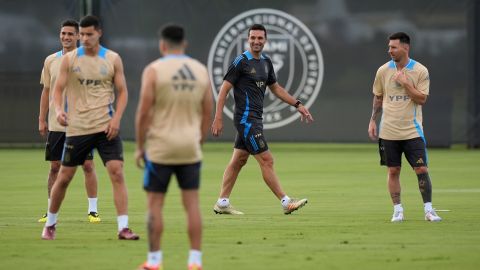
55,167
394,171
115,171
242,161
88,167
63,180
266,161
238,163
421,170
116,175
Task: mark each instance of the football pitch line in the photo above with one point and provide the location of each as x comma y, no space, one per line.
473,190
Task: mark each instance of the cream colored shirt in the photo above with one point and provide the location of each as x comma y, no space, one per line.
175,132
89,91
401,117
49,75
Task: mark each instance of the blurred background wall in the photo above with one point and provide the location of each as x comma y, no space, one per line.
351,36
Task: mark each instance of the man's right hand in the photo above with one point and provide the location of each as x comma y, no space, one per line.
42,127
217,127
372,130
62,118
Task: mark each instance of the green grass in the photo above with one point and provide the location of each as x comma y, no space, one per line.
345,225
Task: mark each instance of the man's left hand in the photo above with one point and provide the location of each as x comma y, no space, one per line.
140,158
305,114
112,129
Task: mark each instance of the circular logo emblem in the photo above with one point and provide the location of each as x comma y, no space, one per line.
295,54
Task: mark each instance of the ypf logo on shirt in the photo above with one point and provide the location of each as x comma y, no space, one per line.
295,54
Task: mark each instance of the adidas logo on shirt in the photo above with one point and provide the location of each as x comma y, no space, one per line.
183,79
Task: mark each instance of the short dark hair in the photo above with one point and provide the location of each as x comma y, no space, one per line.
71,23
257,27
404,38
172,33
90,20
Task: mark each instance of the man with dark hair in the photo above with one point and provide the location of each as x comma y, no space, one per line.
249,75
172,122
91,20
88,75
73,24
401,36
172,34
258,27
400,89
54,132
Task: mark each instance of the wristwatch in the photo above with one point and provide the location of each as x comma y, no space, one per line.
298,103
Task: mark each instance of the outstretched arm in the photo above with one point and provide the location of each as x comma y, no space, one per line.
282,94
376,110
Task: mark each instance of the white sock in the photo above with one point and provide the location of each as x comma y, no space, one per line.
154,258
398,208
122,222
51,219
427,207
92,205
223,202
285,200
195,257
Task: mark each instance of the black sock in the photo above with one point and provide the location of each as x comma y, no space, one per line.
425,186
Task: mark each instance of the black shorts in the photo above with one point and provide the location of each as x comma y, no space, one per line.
157,176
77,148
391,152
54,146
250,137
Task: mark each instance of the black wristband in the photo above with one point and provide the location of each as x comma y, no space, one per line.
298,103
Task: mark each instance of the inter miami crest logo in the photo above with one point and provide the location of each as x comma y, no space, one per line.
295,54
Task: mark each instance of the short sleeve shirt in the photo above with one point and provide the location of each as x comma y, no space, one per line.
250,78
47,79
401,117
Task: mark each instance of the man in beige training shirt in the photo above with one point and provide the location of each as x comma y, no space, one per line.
88,75
401,88
172,122
55,132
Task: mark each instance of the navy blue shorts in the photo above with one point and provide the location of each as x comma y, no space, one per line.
54,146
250,137
78,148
391,152
157,176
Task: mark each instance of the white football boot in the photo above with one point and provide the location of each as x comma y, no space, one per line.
432,216
397,216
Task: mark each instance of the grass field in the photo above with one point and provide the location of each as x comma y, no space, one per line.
345,225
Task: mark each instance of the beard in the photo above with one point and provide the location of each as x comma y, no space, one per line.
395,59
